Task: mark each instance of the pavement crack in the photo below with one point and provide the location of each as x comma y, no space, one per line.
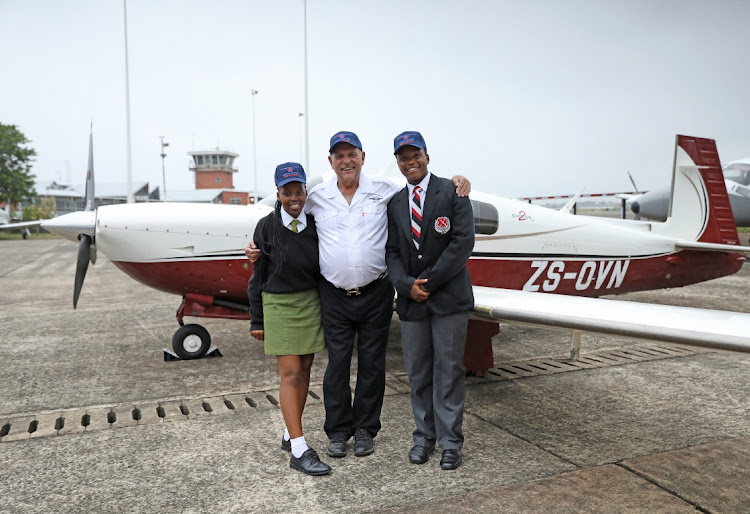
22,263
661,486
526,440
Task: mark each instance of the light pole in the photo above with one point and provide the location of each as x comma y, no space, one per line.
307,110
300,115
163,171
131,199
254,92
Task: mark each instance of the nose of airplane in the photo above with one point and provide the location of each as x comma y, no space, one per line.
70,226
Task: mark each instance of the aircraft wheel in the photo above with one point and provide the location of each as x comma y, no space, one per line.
191,341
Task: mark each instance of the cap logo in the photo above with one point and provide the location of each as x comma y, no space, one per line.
406,136
289,169
341,136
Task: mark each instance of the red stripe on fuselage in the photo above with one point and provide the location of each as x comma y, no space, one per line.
227,279
584,275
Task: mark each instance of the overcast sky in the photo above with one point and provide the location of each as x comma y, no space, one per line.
524,98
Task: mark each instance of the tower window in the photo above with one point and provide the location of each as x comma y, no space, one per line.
218,180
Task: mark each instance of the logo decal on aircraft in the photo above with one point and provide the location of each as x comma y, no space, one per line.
522,216
592,273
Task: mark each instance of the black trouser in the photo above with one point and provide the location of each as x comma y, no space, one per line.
368,317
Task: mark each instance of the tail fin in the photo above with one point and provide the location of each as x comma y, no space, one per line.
699,208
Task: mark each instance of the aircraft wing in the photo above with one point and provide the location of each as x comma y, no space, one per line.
22,224
721,330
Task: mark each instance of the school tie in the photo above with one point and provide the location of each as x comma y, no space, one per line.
294,226
416,216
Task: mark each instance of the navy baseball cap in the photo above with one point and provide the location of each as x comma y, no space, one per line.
345,137
410,138
289,172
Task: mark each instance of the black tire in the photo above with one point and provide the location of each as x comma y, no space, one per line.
191,341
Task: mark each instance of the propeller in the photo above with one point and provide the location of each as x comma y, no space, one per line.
86,250
84,255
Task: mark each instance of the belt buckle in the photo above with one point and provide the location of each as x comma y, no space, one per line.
353,292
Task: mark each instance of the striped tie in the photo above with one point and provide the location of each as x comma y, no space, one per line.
416,216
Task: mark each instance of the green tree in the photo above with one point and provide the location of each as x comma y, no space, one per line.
16,179
44,211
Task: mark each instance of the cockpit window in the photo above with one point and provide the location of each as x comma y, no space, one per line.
486,219
739,173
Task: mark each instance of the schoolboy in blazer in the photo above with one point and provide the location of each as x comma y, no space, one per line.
430,239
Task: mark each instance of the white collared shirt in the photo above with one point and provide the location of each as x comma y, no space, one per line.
351,238
287,218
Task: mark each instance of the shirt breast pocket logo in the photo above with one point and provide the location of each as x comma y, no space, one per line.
441,225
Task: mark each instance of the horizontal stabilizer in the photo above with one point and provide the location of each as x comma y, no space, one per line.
713,247
720,330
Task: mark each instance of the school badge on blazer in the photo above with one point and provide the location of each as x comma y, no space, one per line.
442,225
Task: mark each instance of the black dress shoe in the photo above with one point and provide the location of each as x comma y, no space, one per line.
310,464
337,447
420,454
451,459
286,444
362,443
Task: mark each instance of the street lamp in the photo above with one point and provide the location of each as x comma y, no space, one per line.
163,171
255,160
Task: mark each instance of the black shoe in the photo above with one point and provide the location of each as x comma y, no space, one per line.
451,459
420,454
310,464
286,444
337,447
362,443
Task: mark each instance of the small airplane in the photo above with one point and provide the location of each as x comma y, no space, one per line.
196,251
654,204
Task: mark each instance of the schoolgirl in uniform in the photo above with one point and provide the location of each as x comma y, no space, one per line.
285,307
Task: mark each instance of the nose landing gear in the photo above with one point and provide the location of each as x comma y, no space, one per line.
191,341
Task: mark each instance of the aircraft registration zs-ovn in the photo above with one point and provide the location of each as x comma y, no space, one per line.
196,251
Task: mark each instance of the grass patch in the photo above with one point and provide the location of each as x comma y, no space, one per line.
9,235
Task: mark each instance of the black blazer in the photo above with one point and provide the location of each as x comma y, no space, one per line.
442,255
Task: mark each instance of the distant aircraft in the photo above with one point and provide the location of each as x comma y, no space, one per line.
654,205
196,251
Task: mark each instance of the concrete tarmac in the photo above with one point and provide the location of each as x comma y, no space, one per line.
93,419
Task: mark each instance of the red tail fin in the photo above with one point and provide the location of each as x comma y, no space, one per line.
720,227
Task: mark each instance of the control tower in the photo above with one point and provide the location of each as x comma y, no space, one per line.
213,169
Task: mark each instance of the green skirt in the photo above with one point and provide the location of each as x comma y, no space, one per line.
291,323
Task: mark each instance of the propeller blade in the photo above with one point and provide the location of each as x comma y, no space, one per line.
84,255
633,182
93,255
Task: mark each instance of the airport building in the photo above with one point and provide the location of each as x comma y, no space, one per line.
214,180
67,198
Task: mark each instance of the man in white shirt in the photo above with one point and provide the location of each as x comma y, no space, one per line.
351,218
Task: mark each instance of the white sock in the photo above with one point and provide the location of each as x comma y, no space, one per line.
299,446
286,434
